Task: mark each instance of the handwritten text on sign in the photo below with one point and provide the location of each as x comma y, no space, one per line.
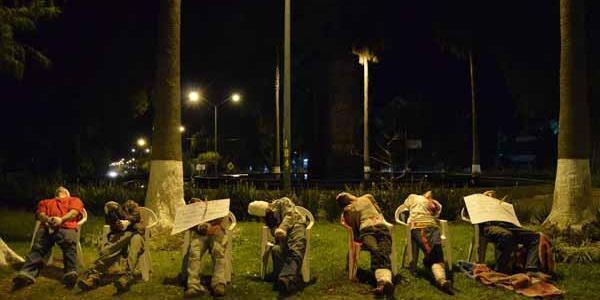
196,213
482,208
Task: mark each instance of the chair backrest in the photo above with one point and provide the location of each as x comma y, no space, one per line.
232,221
464,216
399,215
83,219
308,214
149,218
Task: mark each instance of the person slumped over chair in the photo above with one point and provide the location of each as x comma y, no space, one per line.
210,237
364,216
126,239
425,232
58,224
507,237
288,226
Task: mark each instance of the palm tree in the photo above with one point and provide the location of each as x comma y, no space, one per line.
365,56
573,205
165,186
17,18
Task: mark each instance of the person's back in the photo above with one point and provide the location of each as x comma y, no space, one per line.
423,211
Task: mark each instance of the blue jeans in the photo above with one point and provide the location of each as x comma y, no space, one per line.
44,241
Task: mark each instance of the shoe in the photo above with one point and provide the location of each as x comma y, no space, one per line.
193,293
88,283
123,283
70,279
286,285
219,290
384,288
446,287
21,281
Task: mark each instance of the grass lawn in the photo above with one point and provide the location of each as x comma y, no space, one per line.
327,259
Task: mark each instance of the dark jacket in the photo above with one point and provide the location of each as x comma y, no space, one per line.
129,211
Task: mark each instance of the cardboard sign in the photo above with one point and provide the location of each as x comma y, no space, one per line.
190,215
482,208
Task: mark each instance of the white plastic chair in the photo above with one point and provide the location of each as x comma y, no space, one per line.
50,257
266,245
354,248
478,244
228,249
149,219
411,250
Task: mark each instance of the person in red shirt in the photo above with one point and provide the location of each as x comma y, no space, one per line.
58,224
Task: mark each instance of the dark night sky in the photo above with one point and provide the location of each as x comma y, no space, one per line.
103,56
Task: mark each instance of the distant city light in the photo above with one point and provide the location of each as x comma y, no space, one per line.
112,174
132,150
181,128
141,142
147,150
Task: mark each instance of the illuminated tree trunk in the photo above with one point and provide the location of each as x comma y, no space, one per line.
573,205
165,187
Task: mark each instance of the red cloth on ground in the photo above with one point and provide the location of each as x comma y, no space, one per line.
58,207
521,283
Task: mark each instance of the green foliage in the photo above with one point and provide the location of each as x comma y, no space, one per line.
22,17
208,158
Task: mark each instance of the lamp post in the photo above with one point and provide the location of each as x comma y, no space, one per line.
195,97
364,57
287,96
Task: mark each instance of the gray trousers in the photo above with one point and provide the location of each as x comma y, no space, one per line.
288,254
199,244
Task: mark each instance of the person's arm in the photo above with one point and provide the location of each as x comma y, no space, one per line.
372,199
40,214
286,208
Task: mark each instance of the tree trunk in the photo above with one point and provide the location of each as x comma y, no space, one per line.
165,187
475,166
573,205
7,255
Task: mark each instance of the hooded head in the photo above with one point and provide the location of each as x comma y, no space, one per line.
258,208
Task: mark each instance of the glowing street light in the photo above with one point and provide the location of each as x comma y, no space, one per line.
141,142
147,150
132,150
194,96
181,128
112,174
236,97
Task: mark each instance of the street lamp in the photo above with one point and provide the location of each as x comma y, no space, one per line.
181,128
194,97
141,142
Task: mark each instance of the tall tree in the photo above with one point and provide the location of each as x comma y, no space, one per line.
573,205
20,17
165,187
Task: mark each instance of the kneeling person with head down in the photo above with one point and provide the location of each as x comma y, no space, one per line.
369,226
288,226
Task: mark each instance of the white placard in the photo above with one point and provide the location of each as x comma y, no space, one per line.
482,208
190,215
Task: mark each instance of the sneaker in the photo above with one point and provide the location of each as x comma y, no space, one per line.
123,283
193,293
21,281
219,290
88,283
446,287
70,279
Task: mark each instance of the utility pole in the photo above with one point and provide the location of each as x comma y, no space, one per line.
277,163
287,95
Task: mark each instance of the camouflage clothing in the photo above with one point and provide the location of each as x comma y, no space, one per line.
288,253
203,239
121,242
378,241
